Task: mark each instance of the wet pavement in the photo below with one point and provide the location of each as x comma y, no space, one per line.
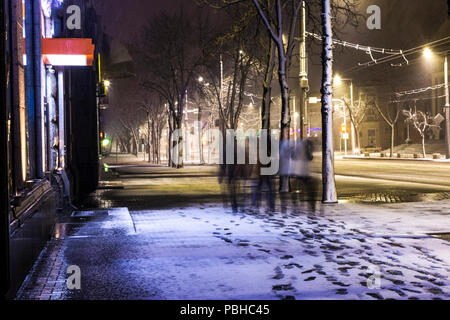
161,234
212,253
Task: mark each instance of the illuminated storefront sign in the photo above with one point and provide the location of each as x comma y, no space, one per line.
68,52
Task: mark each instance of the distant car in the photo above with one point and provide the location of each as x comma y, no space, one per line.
371,149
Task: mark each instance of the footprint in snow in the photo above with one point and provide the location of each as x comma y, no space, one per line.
283,287
310,279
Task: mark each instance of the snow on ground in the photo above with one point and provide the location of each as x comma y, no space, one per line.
297,255
208,252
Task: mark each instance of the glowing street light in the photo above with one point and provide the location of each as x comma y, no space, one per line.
106,143
427,53
337,80
200,79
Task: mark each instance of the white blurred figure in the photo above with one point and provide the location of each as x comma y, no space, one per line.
285,158
300,173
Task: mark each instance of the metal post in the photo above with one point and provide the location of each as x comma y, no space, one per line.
295,119
304,85
39,73
447,108
345,123
221,79
186,133
353,126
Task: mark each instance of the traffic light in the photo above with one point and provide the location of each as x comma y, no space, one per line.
102,135
344,128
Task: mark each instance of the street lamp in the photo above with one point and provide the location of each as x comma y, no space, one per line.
428,54
338,80
315,100
107,84
344,126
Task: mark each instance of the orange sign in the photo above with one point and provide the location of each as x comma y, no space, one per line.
68,52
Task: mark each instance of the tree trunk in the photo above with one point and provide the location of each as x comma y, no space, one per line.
148,138
159,143
392,139
135,144
179,142
329,184
153,142
200,135
423,147
285,110
357,137
267,89
169,149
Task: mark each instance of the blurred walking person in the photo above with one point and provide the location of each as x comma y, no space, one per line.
306,186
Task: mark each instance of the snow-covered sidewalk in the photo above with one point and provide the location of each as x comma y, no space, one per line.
347,251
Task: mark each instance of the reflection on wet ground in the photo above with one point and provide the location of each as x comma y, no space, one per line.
159,238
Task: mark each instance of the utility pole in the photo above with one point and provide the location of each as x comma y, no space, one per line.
304,85
447,108
221,78
345,138
353,126
222,124
295,118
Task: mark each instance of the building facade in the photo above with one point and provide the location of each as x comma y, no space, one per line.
50,117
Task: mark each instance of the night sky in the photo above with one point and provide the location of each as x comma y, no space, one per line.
405,24
123,19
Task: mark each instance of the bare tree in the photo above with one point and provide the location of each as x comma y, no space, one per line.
157,115
422,122
357,113
267,10
125,116
391,118
170,53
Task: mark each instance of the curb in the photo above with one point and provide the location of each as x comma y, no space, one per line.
396,159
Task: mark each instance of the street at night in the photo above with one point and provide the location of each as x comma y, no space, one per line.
185,239
138,185
224,159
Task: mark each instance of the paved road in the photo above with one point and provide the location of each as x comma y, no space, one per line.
392,181
140,187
